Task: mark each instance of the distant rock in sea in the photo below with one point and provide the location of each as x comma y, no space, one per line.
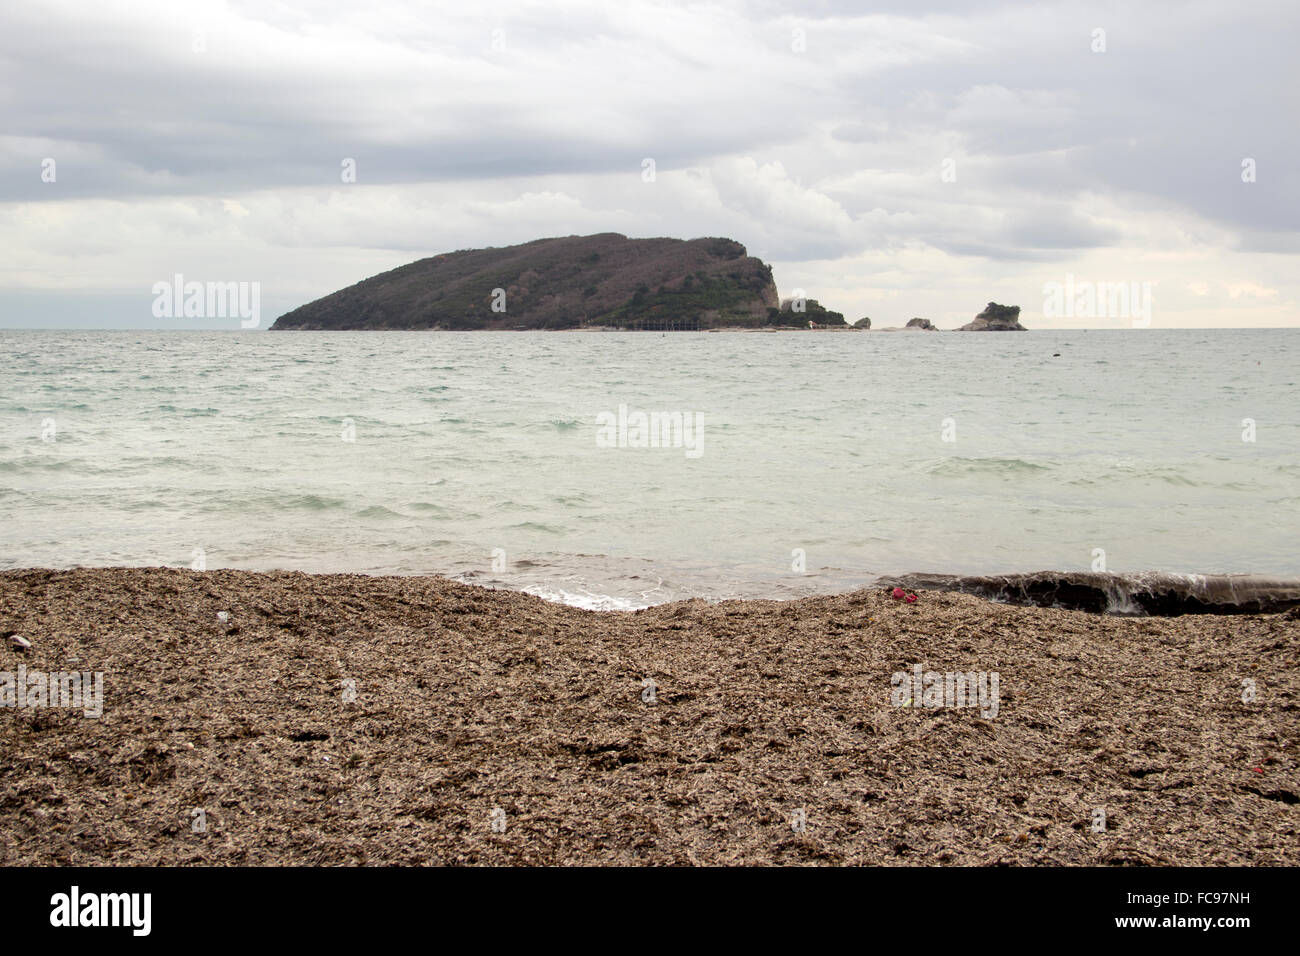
996,318
925,324
606,280
862,323
812,312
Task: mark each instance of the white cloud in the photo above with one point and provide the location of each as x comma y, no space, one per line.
1250,290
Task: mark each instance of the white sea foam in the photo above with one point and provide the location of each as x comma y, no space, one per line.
586,600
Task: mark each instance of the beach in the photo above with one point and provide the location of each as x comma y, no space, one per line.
345,719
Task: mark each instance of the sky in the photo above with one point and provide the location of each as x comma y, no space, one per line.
889,159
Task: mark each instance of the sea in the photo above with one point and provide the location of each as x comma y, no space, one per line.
615,470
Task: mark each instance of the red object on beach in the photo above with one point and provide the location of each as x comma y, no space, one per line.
911,599
1259,770
897,594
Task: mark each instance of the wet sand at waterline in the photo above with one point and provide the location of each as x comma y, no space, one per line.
763,714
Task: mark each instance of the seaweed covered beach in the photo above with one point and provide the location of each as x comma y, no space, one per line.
354,720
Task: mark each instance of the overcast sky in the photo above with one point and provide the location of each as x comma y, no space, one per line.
890,159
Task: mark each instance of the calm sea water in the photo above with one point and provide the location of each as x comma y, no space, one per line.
848,455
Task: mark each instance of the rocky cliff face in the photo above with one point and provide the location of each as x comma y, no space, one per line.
996,318
571,282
